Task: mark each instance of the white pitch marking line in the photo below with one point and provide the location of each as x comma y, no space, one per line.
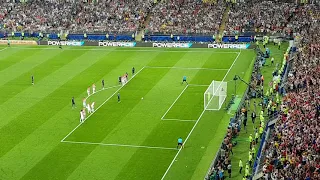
3,49
195,125
120,145
182,120
174,102
102,104
199,85
190,68
133,50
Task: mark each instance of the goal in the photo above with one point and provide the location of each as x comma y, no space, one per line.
215,95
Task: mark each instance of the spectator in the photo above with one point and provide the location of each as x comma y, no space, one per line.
294,149
265,16
186,16
56,16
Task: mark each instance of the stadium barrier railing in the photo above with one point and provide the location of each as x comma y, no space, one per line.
257,163
259,160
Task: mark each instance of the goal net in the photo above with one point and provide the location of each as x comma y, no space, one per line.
215,95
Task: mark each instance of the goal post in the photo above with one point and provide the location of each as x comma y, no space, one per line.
215,95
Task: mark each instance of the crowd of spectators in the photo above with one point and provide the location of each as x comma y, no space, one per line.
224,159
293,152
259,16
186,16
182,16
77,16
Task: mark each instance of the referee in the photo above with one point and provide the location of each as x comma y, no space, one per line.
180,143
184,79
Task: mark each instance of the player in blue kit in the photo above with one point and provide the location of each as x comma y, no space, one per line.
133,70
32,80
102,82
73,103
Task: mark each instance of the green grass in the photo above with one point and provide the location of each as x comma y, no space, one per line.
35,118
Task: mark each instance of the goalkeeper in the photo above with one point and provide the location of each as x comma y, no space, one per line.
184,79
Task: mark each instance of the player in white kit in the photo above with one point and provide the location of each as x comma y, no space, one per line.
88,91
81,116
88,108
93,88
92,107
84,102
84,113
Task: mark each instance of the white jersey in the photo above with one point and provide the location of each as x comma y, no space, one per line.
84,113
81,116
88,108
93,89
92,107
88,91
84,103
124,80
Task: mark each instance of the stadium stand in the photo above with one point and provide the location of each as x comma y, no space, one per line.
257,16
75,17
186,16
293,150
297,127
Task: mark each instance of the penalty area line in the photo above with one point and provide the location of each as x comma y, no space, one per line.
101,105
174,102
199,85
120,145
3,49
198,120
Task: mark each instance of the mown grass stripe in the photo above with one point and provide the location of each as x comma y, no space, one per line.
48,102
66,118
23,82
34,93
25,65
9,57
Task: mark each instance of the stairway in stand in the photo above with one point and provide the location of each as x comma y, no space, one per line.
223,21
146,22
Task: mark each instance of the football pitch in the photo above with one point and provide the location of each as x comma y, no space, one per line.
136,138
